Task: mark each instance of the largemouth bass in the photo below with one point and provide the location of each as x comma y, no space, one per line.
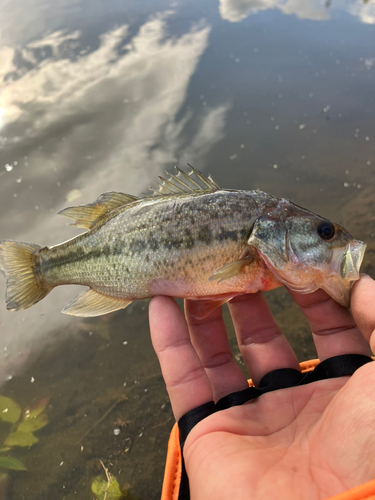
189,239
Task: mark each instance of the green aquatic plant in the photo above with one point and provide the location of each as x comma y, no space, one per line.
23,428
106,489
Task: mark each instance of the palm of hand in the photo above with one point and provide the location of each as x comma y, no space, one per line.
309,442
288,443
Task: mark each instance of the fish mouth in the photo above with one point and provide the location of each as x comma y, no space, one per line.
345,266
347,261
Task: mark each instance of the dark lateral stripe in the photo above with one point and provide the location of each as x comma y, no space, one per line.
74,254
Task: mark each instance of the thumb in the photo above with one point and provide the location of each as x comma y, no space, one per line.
363,308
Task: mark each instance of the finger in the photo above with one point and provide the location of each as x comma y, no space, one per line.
362,307
187,383
263,347
209,338
334,329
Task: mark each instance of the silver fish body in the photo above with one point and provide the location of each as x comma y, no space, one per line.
191,239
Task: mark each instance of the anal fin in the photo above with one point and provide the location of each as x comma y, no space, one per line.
92,303
200,309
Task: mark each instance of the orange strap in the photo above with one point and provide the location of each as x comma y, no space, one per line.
363,492
172,472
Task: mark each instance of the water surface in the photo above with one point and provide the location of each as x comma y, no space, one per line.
100,96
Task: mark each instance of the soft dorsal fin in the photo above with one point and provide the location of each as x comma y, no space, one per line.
87,215
192,182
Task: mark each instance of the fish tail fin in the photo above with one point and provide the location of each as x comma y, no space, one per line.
18,264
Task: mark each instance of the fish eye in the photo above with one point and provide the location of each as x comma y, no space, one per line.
326,230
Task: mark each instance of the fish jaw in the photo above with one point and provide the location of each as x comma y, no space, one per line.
345,265
347,261
335,278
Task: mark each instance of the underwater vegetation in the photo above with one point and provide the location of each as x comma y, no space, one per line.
108,488
24,424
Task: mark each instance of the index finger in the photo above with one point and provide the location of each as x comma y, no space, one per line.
263,346
209,338
187,383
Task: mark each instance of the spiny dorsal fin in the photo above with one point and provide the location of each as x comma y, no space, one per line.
87,215
192,182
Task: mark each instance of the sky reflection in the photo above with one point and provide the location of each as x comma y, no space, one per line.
100,96
316,10
127,93
97,97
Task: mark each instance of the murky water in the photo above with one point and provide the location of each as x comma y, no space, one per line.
99,96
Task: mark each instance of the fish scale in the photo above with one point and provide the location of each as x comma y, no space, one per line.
137,246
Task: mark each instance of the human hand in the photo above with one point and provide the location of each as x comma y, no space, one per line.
310,441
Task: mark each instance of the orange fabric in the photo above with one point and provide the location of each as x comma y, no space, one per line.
364,492
172,472
308,366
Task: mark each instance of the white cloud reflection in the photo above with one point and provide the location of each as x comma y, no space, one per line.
6,61
147,85
306,9
127,95
364,11
236,10
316,10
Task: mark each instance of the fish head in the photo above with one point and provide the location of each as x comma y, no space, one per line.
306,252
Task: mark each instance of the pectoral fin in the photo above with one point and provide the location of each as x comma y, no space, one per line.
92,303
230,270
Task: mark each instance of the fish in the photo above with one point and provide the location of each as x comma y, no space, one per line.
189,239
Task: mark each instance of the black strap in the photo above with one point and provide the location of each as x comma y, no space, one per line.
277,379
184,492
191,418
337,366
185,424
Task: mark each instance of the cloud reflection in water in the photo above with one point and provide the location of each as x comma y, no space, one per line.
316,10
106,119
